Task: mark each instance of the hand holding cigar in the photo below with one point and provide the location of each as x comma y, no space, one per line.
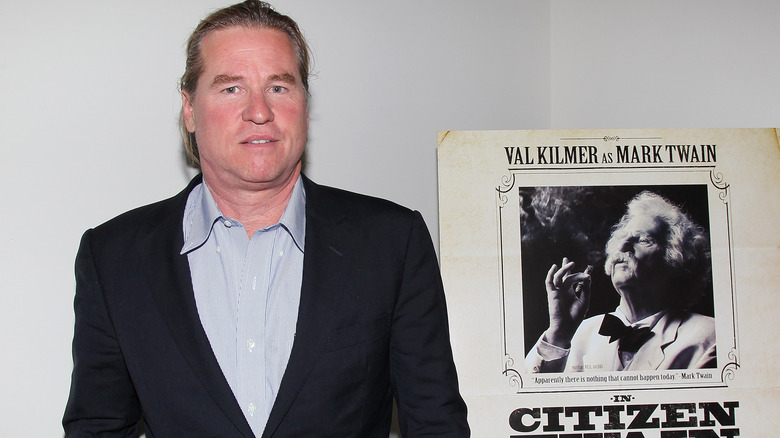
578,288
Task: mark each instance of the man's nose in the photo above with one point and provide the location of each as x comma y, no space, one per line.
258,110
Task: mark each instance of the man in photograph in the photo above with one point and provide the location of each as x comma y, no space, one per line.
659,262
256,302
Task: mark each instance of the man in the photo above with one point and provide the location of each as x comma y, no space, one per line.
659,263
256,302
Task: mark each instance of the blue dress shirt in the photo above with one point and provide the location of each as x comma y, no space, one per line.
247,292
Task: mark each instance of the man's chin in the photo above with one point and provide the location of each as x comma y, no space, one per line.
623,278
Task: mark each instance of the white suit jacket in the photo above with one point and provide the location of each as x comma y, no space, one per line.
681,340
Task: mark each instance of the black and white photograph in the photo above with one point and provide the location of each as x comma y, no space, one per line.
617,278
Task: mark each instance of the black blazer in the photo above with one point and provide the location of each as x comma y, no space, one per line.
372,324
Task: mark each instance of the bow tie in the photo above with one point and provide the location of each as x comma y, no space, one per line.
631,338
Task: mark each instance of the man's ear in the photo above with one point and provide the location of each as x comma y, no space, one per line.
188,111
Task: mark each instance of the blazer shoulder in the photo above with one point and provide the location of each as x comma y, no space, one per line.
329,200
166,211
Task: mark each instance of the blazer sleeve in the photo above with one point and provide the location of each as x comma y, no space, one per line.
423,373
102,399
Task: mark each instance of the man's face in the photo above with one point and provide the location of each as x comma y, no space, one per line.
639,260
249,113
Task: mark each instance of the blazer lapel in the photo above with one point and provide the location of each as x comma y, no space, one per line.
168,276
326,253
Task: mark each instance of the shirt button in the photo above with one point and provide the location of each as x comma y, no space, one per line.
281,253
219,249
228,224
251,408
250,344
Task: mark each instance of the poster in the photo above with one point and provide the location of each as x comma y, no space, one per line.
515,203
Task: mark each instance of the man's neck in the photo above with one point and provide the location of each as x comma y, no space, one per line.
254,208
638,305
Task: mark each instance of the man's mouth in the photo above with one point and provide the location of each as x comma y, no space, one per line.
258,139
625,261
623,258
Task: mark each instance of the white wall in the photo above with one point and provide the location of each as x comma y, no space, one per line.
665,64
88,110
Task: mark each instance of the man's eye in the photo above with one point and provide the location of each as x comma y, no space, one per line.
646,240
231,90
277,89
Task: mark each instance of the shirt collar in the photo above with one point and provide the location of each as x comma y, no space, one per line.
294,216
201,213
649,321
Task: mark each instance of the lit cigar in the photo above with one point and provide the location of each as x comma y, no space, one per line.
578,288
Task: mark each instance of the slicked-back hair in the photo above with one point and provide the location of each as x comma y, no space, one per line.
249,14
